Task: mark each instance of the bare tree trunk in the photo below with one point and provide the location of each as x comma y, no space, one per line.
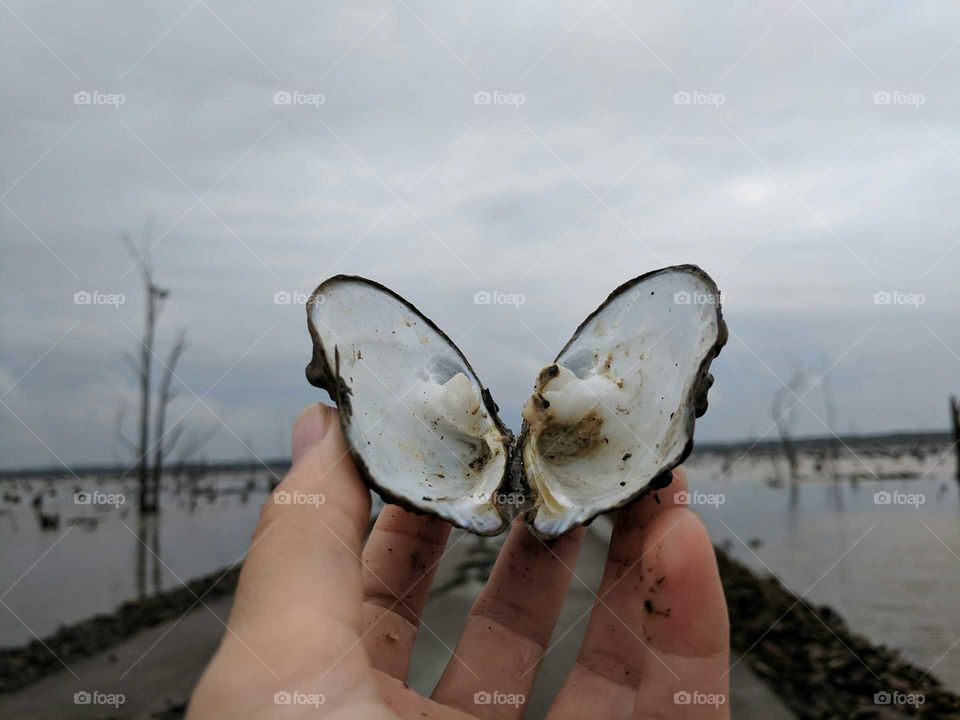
153,301
146,363
955,421
161,444
784,419
833,444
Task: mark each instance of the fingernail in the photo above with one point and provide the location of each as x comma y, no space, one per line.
309,429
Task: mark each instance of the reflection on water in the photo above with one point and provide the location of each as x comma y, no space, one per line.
888,563
89,558
882,553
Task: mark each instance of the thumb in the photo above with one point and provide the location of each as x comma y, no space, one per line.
302,575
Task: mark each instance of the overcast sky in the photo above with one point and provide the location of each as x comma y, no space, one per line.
805,155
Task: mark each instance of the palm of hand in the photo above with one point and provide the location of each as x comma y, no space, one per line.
323,626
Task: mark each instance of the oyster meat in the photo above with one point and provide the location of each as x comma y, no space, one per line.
607,421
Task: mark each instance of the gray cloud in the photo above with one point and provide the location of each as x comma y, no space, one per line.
785,176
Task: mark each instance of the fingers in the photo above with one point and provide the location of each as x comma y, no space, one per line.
509,626
298,603
687,627
399,564
659,626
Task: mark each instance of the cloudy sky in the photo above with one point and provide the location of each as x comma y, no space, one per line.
807,156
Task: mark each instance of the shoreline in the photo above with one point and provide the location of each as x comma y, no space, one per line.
23,665
804,652
810,658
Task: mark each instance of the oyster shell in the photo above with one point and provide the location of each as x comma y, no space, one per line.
607,420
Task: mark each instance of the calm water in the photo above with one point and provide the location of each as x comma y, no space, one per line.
100,562
891,570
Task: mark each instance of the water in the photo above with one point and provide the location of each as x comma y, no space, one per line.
891,570
56,576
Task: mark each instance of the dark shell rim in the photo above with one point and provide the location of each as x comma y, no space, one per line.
322,374
696,398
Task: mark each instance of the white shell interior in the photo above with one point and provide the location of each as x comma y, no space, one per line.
617,410
417,418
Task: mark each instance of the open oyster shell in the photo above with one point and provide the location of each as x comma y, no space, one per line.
607,421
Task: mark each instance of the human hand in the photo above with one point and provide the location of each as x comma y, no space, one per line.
319,614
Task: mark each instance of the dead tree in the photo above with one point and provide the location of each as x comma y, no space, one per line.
154,297
785,402
833,443
955,422
163,444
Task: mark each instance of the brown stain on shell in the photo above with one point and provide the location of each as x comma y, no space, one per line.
562,444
